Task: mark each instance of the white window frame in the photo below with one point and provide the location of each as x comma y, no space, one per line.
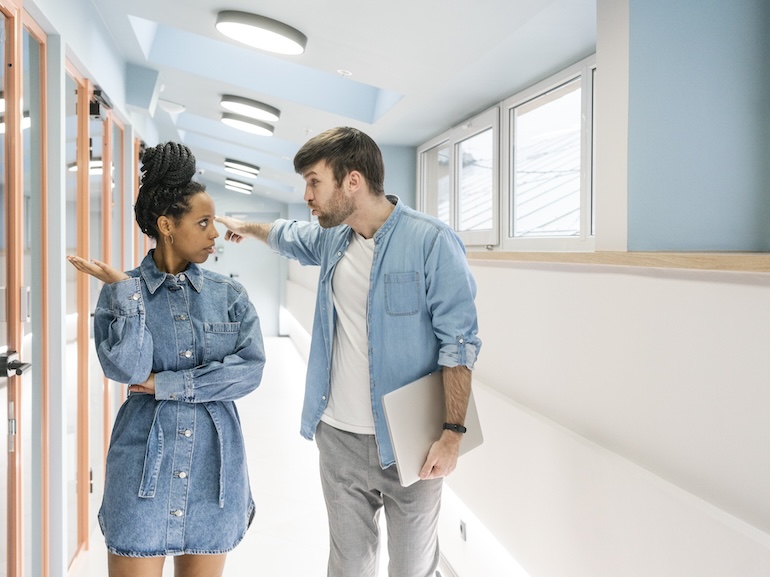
586,241
454,137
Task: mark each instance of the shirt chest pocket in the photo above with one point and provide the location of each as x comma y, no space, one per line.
221,339
402,293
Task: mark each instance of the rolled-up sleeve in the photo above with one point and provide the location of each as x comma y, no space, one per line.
451,292
123,343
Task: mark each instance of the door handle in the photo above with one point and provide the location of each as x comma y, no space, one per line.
10,365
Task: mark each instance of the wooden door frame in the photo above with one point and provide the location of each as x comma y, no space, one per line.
107,225
14,206
84,250
137,233
85,94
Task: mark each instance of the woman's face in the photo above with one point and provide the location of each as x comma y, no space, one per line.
194,234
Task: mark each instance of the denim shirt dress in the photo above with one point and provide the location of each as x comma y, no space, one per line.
421,312
176,480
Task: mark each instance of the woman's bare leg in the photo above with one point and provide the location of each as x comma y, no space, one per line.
119,566
199,565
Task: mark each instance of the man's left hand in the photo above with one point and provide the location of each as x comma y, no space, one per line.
442,457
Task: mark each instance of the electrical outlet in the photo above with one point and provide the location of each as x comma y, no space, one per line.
463,531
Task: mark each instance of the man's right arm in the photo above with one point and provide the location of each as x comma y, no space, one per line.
238,229
301,241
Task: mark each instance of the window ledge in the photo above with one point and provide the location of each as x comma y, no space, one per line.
714,261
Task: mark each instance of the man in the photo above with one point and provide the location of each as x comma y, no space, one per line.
395,302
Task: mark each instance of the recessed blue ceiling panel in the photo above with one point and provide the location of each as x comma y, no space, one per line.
264,73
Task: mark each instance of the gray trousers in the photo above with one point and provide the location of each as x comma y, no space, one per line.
356,488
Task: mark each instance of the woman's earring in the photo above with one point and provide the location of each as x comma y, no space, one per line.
169,237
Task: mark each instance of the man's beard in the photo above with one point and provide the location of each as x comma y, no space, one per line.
340,207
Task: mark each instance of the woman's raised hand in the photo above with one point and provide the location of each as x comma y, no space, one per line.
98,269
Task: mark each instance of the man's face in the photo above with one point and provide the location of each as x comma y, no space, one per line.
332,204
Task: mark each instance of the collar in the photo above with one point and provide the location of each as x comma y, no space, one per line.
154,278
392,219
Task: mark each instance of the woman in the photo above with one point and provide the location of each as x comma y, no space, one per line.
188,343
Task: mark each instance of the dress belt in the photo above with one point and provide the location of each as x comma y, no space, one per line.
153,454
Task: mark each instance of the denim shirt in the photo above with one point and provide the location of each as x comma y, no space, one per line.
200,335
206,346
420,314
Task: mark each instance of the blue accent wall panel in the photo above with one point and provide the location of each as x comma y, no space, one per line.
699,125
400,172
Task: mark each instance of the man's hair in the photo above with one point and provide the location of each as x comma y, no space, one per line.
344,149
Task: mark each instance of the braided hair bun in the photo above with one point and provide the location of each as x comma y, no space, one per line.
166,185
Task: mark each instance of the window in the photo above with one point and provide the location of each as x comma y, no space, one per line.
541,152
434,167
548,163
459,178
476,182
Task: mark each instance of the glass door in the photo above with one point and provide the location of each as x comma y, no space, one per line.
33,429
115,245
98,174
72,89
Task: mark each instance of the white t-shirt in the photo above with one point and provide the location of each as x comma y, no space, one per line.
350,403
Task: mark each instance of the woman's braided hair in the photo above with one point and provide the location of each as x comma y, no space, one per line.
166,185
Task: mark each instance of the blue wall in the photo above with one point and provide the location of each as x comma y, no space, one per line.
699,125
401,172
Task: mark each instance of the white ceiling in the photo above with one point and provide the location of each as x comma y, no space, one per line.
418,67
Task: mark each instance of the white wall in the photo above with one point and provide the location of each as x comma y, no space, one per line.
626,418
611,124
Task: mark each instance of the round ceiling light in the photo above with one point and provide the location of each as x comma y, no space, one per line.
249,107
241,168
238,186
261,32
247,124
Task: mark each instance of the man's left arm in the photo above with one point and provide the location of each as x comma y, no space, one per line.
450,295
442,457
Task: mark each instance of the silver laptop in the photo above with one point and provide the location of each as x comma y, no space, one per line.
415,416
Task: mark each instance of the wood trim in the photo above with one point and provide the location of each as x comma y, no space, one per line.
85,89
137,232
121,262
711,261
107,225
33,27
121,179
14,251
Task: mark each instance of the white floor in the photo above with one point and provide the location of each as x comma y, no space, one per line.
289,535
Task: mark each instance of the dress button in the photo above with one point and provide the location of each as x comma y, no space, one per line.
187,433
182,475
134,297
177,512
187,354
181,277
182,317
